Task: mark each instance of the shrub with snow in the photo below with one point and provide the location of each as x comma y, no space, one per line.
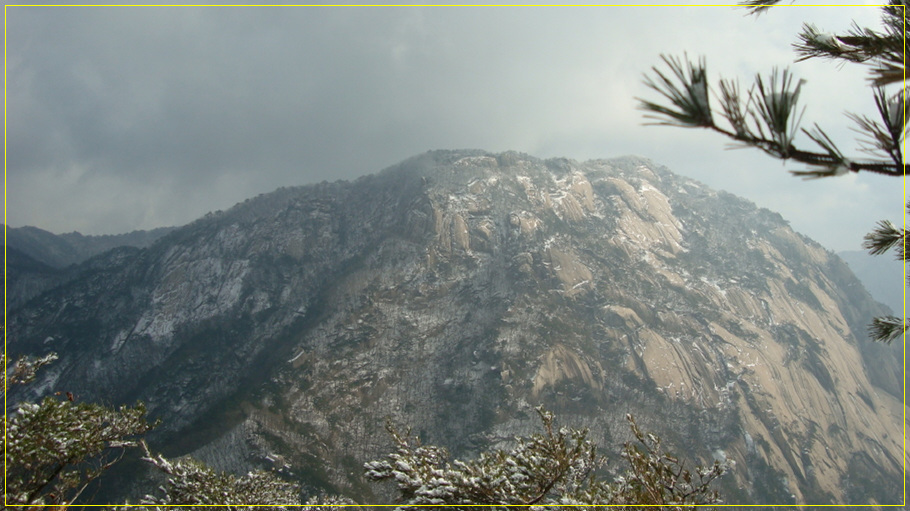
557,467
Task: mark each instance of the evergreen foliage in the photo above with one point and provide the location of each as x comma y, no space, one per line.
556,467
191,483
887,236
55,448
768,116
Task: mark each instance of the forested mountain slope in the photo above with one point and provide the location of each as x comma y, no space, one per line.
458,290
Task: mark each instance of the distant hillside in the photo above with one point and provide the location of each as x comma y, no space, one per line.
62,250
38,260
27,277
882,275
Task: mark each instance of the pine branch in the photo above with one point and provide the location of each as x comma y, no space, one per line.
23,371
757,7
857,46
735,112
887,328
833,165
882,51
690,97
885,237
767,117
883,138
890,65
774,107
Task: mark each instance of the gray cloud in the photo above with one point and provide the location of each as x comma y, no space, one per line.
125,118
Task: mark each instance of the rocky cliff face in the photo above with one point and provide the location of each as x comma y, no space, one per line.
459,289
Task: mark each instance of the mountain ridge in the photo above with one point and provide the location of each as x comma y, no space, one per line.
456,289
62,250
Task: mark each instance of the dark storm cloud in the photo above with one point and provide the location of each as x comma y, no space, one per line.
177,91
125,118
152,77
194,93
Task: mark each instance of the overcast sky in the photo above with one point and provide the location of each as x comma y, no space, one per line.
123,118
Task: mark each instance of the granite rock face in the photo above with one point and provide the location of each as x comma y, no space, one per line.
459,289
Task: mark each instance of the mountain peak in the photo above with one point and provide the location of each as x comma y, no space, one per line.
455,291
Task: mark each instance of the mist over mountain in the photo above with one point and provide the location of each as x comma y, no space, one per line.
458,290
882,275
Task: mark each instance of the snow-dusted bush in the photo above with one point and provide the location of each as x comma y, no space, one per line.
193,483
55,448
557,467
